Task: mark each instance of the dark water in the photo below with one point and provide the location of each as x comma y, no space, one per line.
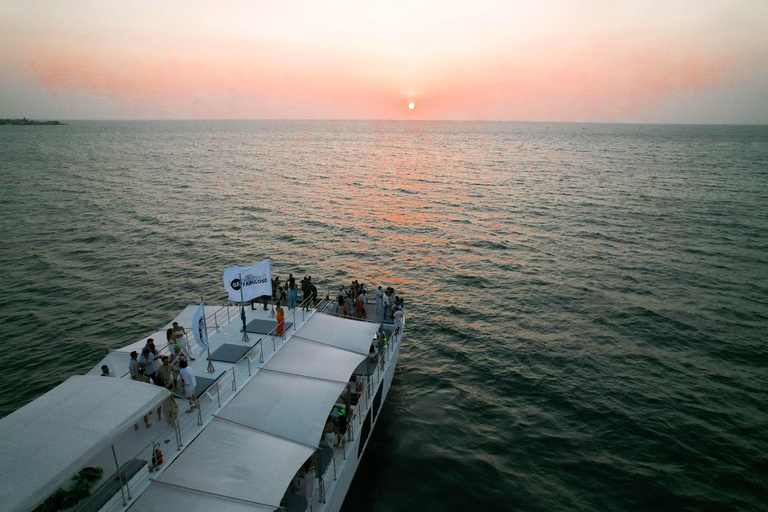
588,303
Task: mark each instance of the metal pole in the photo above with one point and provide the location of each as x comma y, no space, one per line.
217,394
242,308
249,365
210,368
119,475
234,379
320,475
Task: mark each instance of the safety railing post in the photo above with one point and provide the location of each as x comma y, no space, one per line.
234,378
218,398
249,365
119,475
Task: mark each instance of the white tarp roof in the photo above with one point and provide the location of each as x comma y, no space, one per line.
48,440
291,407
351,335
167,498
237,462
302,357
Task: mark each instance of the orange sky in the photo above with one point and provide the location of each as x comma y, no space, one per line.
651,61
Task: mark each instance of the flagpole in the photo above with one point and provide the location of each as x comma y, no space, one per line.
210,368
242,309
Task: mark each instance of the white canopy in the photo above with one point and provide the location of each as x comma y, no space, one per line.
47,441
288,406
236,462
167,498
302,357
351,335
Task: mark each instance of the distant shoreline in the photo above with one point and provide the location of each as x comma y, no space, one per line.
29,122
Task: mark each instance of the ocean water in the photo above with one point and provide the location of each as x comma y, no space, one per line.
587,303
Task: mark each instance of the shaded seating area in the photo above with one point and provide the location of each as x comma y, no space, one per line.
293,502
110,487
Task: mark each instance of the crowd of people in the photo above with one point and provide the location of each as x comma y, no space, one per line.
169,371
352,300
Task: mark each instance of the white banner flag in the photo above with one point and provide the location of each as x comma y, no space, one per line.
253,281
198,328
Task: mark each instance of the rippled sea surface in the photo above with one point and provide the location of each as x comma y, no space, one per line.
588,304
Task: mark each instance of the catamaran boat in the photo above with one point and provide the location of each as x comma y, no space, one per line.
280,424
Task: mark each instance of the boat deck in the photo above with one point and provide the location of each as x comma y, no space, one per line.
235,359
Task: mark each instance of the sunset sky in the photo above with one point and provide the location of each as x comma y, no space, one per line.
590,60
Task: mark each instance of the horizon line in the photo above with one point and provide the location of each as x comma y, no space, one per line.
390,120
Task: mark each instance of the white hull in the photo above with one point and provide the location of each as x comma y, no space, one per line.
337,490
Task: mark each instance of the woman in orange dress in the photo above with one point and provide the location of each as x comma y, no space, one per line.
280,313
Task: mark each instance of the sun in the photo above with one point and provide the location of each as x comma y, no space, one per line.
411,106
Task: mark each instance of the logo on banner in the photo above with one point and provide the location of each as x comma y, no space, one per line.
249,280
235,284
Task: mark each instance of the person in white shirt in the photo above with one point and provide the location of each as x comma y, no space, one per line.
398,316
188,384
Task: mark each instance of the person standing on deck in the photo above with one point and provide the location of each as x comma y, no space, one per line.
280,315
313,291
364,297
167,374
304,289
340,299
349,304
179,333
188,384
398,317
386,304
147,361
133,366
292,296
